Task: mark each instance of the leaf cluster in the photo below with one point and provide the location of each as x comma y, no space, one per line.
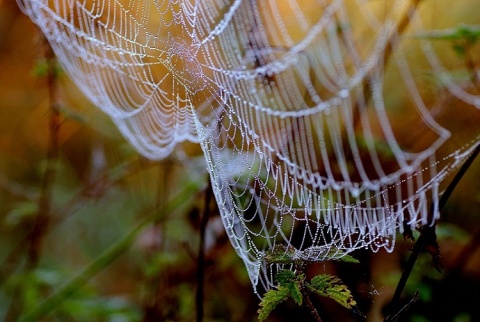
293,285
283,254
332,287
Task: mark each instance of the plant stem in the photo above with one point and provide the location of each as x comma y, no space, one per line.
201,252
312,308
44,202
451,187
421,241
42,218
404,308
419,245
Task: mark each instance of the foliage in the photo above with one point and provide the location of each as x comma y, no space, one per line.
462,37
86,305
293,285
103,192
283,254
270,300
332,287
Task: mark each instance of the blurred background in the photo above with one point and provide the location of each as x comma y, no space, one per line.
91,231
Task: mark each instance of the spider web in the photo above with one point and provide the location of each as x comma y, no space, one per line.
318,131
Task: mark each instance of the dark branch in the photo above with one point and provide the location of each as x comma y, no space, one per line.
201,252
427,231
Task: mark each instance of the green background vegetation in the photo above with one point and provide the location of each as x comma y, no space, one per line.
110,236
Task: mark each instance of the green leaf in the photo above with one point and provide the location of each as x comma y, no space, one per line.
322,252
323,281
42,68
283,254
462,37
469,33
348,259
291,281
290,285
270,300
22,212
295,292
285,277
280,254
332,287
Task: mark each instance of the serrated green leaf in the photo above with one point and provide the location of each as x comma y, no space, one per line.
323,253
348,259
280,254
342,295
270,300
284,277
323,281
295,292
332,287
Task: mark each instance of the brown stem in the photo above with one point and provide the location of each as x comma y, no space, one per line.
312,308
44,201
404,309
155,286
199,296
41,221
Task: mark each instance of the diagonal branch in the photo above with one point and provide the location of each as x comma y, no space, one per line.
422,241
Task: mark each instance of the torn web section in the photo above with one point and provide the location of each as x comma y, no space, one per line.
134,60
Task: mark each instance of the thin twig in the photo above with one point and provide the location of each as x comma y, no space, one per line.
153,298
405,308
45,198
300,268
419,245
451,187
312,308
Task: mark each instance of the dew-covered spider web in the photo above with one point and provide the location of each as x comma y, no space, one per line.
327,126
